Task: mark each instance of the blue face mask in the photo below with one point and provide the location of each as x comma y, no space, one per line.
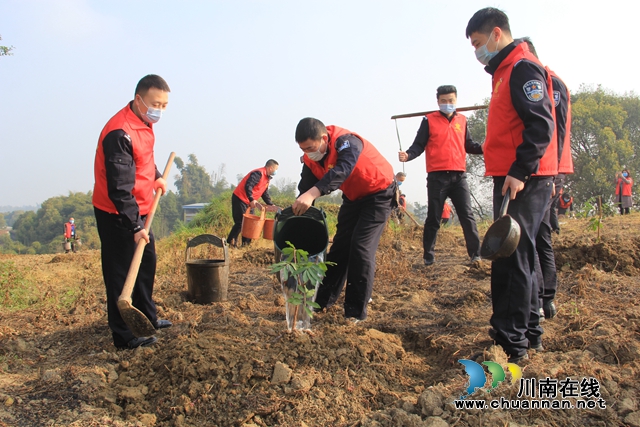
483,55
400,182
273,173
447,108
152,115
625,174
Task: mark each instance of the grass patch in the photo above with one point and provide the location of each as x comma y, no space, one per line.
16,291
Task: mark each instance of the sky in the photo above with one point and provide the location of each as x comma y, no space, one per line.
244,72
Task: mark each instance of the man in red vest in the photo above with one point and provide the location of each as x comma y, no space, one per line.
624,182
546,264
565,203
126,178
445,139
446,214
70,235
254,185
520,153
338,159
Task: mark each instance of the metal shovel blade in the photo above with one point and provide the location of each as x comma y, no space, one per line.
139,324
502,238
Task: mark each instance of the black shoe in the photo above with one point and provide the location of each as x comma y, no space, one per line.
550,310
162,324
429,262
475,259
518,359
139,342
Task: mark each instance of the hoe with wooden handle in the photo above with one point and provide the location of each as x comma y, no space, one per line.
139,324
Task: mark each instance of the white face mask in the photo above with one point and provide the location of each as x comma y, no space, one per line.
316,156
152,115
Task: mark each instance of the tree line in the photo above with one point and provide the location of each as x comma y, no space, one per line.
605,138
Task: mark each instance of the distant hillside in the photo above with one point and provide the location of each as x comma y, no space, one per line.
6,209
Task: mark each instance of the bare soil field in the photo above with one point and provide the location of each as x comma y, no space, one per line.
234,364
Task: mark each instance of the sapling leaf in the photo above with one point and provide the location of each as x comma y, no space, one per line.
309,311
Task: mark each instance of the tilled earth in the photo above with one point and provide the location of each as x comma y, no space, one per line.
234,363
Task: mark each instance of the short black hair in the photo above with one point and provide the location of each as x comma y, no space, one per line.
271,162
149,81
532,48
310,128
485,20
446,90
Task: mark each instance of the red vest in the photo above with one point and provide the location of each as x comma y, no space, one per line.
372,172
446,211
445,147
563,204
566,160
626,188
67,230
258,189
142,141
504,126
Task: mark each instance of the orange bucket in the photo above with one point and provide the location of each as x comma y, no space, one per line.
252,225
269,225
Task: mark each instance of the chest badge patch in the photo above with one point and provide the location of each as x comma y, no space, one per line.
457,127
533,90
556,97
497,85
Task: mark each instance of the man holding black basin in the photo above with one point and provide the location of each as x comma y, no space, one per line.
338,159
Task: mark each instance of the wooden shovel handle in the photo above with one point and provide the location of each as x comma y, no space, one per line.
424,113
130,281
413,219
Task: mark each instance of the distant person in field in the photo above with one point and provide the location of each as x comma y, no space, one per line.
70,235
446,214
398,213
254,185
565,203
337,159
445,139
126,179
624,182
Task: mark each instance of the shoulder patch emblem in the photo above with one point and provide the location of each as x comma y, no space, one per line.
556,97
344,145
533,90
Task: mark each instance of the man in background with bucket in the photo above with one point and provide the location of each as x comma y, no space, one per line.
70,236
520,153
254,185
335,158
126,178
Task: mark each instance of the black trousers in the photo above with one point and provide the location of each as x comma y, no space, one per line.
117,248
441,185
238,209
546,274
513,294
553,215
360,225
